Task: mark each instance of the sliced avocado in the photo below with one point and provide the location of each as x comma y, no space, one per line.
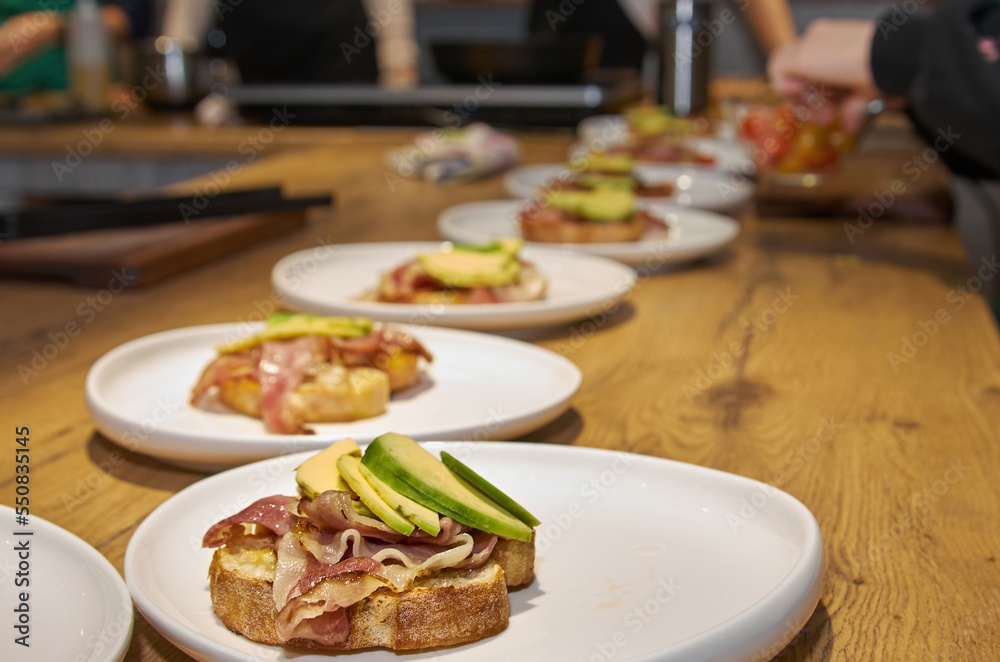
285,325
489,489
509,245
409,469
465,266
319,473
422,516
656,120
350,468
651,123
602,162
599,206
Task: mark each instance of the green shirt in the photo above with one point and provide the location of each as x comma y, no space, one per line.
46,69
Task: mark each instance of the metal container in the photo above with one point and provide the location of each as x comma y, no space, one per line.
178,74
685,56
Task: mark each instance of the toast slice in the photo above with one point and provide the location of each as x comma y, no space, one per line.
441,609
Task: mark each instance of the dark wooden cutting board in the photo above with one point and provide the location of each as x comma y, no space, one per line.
140,255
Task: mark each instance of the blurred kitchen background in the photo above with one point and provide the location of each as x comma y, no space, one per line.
187,41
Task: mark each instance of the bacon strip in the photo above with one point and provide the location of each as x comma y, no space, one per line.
325,538
271,512
392,336
409,282
317,572
222,368
283,363
308,607
321,614
332,511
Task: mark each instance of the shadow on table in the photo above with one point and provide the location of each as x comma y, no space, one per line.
565,430
570,334
948,269
156,646
136,468
656,267
813,642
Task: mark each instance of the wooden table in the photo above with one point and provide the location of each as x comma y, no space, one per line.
741,362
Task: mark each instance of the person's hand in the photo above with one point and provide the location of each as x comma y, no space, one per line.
398,77
23,35
831,52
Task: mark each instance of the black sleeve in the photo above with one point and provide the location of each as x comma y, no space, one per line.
140,16
946,63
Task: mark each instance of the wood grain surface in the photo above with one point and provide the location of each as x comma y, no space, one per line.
861,377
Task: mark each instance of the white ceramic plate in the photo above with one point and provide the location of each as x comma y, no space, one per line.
729,155
638,559
693,187
602,131
614,127
578,286
479,386
693,233
79,608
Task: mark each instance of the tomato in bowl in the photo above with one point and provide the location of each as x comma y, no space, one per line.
795,139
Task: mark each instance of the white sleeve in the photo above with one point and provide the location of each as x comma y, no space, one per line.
393,24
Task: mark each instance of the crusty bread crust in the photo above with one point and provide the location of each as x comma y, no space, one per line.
442,609
517,560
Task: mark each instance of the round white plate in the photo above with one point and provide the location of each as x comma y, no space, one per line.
693,187
602,131
578,286
615,127
638,559
478,386
78,606
693,233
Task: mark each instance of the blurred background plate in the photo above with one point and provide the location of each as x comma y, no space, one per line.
715,190
693,233
479,386
578,286
719,153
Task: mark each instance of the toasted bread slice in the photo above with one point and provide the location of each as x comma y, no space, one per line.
441,609
549,225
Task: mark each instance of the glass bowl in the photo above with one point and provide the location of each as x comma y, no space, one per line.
799,142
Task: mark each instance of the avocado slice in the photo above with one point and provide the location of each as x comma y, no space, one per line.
425,518
622,164
489,489
657,120
361,509
599,205
319,473
509,245
475,266
410,470
350,468
282,326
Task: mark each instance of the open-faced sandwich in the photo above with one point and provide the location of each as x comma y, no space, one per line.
659,121
393,548
600,215
463,274
600,170
662,149
654,134
309,369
